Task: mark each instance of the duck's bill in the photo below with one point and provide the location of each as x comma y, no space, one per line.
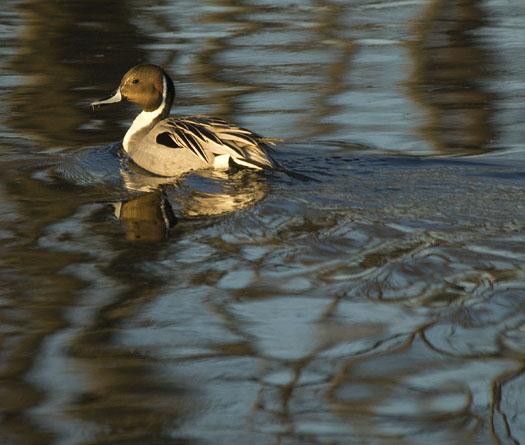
117,97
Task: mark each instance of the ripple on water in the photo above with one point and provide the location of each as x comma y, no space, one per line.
365,314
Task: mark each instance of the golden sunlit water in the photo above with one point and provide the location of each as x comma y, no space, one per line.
376,296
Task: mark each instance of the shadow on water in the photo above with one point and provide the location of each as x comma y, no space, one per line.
62,52
63,49
380,302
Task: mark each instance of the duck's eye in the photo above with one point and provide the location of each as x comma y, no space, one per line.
134,81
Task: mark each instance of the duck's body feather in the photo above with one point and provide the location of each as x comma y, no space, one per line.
179,144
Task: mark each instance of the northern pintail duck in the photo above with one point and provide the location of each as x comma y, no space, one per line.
169,146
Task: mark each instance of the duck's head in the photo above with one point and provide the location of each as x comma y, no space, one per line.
146,85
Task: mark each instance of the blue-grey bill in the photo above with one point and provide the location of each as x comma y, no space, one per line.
117,97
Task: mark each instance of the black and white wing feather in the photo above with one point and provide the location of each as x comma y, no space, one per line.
208,137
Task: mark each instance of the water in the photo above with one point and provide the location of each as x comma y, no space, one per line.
379,302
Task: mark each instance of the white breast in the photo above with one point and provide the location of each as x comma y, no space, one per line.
143,120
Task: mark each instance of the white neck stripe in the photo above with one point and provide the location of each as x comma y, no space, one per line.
145,118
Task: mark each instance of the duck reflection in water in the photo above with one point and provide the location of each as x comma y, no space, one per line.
147,218
150,216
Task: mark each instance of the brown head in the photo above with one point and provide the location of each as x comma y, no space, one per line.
146,85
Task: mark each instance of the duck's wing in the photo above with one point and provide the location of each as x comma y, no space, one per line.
173,133
204,135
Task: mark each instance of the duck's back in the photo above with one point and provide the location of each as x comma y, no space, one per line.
222,138
179,144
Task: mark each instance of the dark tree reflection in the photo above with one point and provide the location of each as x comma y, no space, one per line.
452,66
67,52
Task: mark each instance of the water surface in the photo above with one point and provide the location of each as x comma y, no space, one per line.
380,301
